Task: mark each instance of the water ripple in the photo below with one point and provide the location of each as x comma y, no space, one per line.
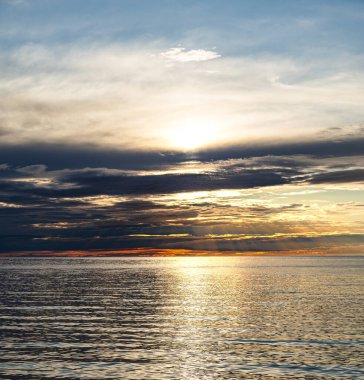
203,318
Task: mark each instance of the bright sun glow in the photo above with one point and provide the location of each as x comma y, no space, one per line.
192,134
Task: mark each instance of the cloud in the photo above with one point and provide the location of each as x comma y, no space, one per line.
280,243
88,106
180,54
339,176
92,182
124,96
314,147
239,198
288,154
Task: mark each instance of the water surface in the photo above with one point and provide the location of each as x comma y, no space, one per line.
182,318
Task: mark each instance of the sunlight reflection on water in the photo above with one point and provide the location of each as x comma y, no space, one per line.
181,318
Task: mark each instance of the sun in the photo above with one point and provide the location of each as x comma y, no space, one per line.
192,134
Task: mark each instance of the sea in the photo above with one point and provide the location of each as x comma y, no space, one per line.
182,318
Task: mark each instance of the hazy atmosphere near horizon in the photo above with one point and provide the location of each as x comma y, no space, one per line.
181,189
176,127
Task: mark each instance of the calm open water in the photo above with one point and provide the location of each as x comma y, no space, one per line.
182,318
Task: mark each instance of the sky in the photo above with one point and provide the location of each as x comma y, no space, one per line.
172,127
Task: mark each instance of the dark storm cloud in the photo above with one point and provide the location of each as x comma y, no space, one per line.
172,183
322,148
58,156
101,182
54,214
294,162
343,176
87,241
43,190
55,225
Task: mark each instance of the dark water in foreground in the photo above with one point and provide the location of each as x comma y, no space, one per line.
182,318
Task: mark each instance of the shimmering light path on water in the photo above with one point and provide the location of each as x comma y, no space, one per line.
182,318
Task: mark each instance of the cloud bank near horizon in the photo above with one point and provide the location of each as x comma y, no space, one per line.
283,201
